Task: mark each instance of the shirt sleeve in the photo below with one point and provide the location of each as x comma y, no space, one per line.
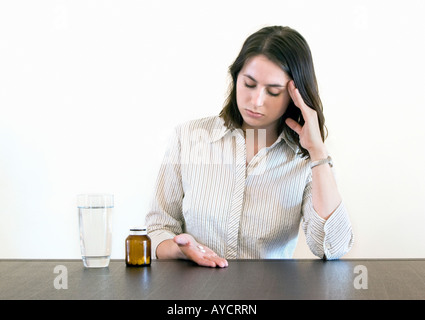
165,219
328,239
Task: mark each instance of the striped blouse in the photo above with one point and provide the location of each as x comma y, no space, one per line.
240,211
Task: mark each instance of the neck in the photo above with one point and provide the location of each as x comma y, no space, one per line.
257,139
261,137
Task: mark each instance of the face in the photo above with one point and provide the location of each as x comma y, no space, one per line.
261,93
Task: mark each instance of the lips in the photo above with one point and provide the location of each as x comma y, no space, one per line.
253,114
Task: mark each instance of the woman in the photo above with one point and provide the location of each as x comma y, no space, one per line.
239,184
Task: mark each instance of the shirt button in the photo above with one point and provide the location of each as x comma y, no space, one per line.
328,245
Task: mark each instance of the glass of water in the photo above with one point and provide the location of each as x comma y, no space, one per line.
95,212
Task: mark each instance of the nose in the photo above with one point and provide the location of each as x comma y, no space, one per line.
258,97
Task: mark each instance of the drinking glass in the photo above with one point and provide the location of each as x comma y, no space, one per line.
95,212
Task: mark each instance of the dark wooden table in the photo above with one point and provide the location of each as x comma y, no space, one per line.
242,280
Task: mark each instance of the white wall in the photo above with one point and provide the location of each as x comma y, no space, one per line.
89,91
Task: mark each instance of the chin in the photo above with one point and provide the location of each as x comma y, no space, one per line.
254,123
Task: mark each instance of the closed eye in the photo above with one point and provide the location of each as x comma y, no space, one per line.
273,94
252,86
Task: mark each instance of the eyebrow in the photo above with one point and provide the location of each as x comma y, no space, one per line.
276,85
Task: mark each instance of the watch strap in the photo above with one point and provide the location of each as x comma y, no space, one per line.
322,161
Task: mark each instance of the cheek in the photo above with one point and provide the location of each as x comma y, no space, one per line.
281,105
242,95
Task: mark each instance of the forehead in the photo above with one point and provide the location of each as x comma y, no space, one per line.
264,70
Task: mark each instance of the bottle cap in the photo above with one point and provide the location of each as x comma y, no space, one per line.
139,230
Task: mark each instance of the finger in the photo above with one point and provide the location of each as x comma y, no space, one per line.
292,89
200,258
212,256
214,261
199,254
293,125
222,263
296,97
204,262
208,258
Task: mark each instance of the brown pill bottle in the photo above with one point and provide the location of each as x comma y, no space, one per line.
138,248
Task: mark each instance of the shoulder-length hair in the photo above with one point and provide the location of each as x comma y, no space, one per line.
289,50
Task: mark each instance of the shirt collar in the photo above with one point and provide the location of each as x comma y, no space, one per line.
219,130
292,145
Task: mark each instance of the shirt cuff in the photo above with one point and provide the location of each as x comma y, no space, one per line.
157,237
332,238
339,236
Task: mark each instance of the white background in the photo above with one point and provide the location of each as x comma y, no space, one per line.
90,90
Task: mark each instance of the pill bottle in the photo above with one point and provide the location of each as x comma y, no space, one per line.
138,248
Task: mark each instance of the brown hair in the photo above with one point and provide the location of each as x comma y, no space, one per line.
288,49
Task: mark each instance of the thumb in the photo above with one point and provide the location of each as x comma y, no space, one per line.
293,125
181,240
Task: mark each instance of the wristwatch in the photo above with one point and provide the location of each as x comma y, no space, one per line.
323,161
